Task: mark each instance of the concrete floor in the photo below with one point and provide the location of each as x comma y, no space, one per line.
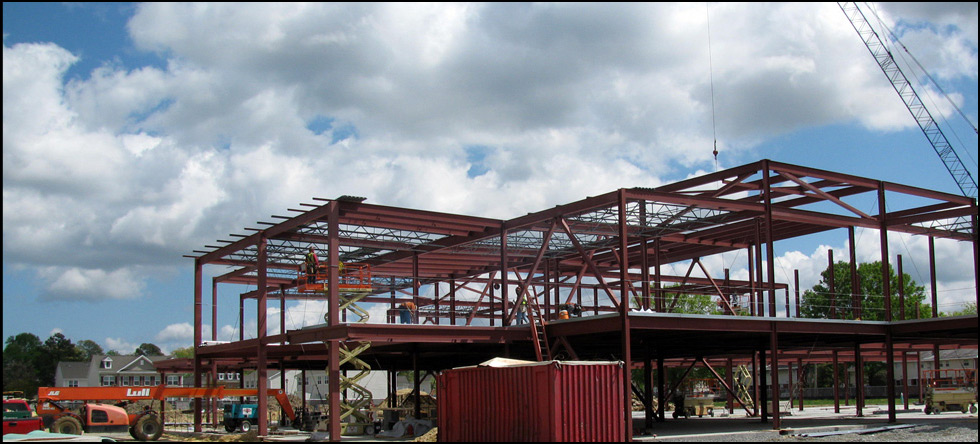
810,420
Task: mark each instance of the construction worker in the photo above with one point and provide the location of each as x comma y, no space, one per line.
407,312
522,311
312,265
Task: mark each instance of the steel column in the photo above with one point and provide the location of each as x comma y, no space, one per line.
757,402
624,307
799,380
730,378
905,379
858,380
648,394
831,283
886,290
661,387
890,375
901,288
333,319
751,269
658,297
918,374
774,369
644,272
855,285
932,278
262,372
504,321
452,300
198,327
796,286
836,382
770,240
214,309
763,386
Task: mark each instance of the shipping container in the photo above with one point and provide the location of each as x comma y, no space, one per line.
555,401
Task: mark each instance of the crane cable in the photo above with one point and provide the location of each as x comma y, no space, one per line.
895,39
711,77
924,70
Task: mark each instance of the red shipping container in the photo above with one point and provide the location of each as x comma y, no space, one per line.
556,401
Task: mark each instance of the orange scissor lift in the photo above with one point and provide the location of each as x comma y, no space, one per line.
353,286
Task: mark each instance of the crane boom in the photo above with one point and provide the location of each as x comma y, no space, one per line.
962,176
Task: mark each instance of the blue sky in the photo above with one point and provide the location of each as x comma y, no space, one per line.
134,134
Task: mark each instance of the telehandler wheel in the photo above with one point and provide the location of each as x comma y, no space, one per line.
67,425
148,428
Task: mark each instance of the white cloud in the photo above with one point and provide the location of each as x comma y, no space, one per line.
176,332
120,345
136,167
91,284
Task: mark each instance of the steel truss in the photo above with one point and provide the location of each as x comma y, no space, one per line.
613,246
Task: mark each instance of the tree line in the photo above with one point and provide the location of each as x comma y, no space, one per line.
29,363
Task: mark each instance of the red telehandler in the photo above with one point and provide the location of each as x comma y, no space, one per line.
94,417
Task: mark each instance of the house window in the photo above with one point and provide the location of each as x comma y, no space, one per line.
137,380
106,363
221,376
124,381
173,380
108,380
72,383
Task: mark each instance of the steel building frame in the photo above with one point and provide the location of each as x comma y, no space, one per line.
613,245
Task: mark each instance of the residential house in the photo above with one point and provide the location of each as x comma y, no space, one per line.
105,371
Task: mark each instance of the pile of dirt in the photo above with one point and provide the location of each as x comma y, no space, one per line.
251,436
430,436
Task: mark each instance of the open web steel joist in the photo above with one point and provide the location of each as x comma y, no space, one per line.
596,252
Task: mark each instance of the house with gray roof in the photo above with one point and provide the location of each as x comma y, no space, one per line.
116,371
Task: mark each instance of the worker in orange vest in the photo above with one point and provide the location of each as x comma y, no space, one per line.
407,312
312,265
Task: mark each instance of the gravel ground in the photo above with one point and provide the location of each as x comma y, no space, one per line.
916,427
965,431
962,432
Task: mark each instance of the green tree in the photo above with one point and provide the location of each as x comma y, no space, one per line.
56,348
816,302
691,303
20,355
970,308
88,348
185,353
147,349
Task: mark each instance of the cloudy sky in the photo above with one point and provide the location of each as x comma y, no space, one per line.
136,133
